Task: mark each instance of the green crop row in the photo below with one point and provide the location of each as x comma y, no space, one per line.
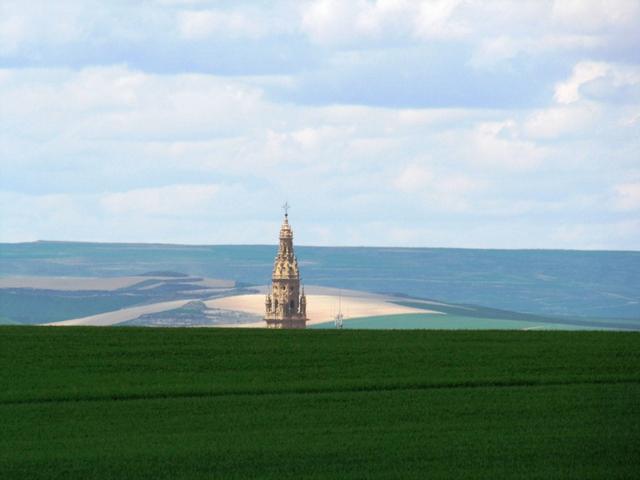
207,403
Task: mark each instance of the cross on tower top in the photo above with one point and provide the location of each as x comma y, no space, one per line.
286,208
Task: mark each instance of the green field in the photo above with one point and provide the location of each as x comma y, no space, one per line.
208,403
447,322
7,321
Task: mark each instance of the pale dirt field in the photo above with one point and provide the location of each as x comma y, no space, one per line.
119,316
318,290
70,283
320,308
216,283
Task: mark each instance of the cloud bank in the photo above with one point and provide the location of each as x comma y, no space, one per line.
435,123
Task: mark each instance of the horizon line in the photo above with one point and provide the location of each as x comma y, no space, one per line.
171,244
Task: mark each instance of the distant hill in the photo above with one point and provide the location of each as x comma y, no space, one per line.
591,284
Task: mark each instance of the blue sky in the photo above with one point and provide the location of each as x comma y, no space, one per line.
446,123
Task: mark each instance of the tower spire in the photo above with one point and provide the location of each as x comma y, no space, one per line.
285,305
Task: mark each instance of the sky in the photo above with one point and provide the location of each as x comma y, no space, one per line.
441,123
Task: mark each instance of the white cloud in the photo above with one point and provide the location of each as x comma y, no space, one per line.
226,153
335,21
435,20
309,138
501,30
437,191
499,145
13,32
627,196
632,119
180,200
107,103
135,216
585,72
185,2
496,50
199,24
35,217
413,178
561,121
328,21
28,24
610,235
593,15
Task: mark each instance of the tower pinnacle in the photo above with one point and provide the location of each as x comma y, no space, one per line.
286,305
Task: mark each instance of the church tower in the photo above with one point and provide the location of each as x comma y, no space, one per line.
286,304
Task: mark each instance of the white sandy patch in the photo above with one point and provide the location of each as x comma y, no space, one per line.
150,286
123,315
320,308
339,292
344,293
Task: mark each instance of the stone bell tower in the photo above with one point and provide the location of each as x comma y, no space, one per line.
286,304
